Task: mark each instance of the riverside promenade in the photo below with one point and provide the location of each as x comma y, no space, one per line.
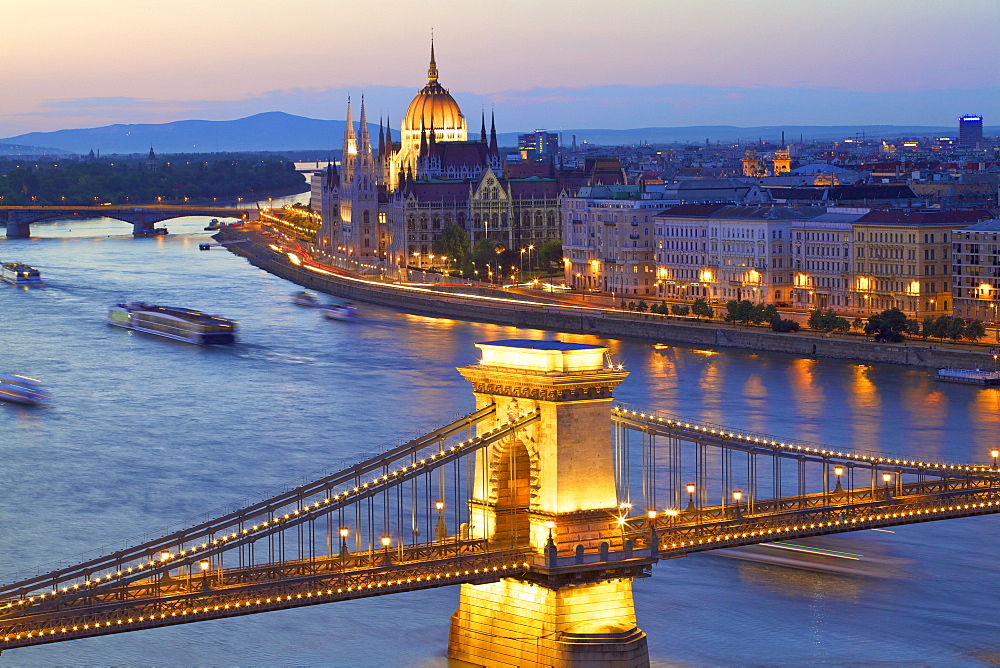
295,264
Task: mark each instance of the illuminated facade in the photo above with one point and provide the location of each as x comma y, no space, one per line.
517,212
903,260
608,240
724,252
975,281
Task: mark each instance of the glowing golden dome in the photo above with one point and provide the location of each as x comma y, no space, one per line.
434,107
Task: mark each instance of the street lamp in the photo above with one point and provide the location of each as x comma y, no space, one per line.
886,477
440,529
737,496
690,491
994,454
838,471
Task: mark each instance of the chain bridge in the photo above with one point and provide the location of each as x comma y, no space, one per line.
544,504
18,219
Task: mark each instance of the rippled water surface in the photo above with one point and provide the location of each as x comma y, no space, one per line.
144,433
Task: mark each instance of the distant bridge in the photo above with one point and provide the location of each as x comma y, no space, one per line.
18,219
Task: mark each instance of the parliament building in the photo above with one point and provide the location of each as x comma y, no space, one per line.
392,200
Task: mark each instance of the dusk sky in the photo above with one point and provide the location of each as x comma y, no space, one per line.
549,63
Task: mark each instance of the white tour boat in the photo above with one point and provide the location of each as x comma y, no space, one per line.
173,323
19,273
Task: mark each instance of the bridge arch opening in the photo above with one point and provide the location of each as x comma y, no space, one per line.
511,481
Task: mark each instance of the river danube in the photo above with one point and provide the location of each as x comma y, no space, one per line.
145,434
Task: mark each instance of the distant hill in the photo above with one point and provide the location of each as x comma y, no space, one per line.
270,131
278,131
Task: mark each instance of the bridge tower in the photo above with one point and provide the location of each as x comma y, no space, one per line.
550,488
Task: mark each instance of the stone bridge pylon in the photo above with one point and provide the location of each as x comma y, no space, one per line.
551,488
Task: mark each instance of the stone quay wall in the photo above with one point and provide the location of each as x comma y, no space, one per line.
611,324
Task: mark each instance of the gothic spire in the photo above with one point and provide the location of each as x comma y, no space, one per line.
482,132
349,124
432,71
364,140
388,136
493,135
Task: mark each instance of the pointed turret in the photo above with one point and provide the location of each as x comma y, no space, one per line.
494,150
349,125
350,149
364,141
389,148
482,132
381,140
423,139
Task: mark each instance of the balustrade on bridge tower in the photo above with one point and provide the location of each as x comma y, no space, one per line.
549,487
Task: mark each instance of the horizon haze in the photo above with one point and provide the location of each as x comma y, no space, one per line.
573,64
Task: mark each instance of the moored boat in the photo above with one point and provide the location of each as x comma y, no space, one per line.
19,273
173,323
969,376
21,390
340,311
213,224
151,232
306,299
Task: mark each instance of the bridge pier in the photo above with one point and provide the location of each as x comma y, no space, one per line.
18,230
515,623
550,488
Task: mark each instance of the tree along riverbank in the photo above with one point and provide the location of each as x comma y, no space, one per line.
575,319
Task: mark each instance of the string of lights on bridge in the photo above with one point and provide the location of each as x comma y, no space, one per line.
318,594
385,480
791,447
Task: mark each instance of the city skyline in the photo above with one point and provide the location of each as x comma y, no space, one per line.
559,64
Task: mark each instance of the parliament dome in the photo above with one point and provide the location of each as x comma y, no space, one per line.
433,107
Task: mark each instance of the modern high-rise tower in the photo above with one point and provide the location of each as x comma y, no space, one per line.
970,130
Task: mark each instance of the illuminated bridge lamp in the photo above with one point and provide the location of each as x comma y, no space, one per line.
994,453
838,471
386,541
737,496
204,565
550,525
440,529
344,531
886,477
690,491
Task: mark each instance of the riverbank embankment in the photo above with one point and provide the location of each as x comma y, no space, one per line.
599,322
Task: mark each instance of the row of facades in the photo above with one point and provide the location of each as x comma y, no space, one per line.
851,260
